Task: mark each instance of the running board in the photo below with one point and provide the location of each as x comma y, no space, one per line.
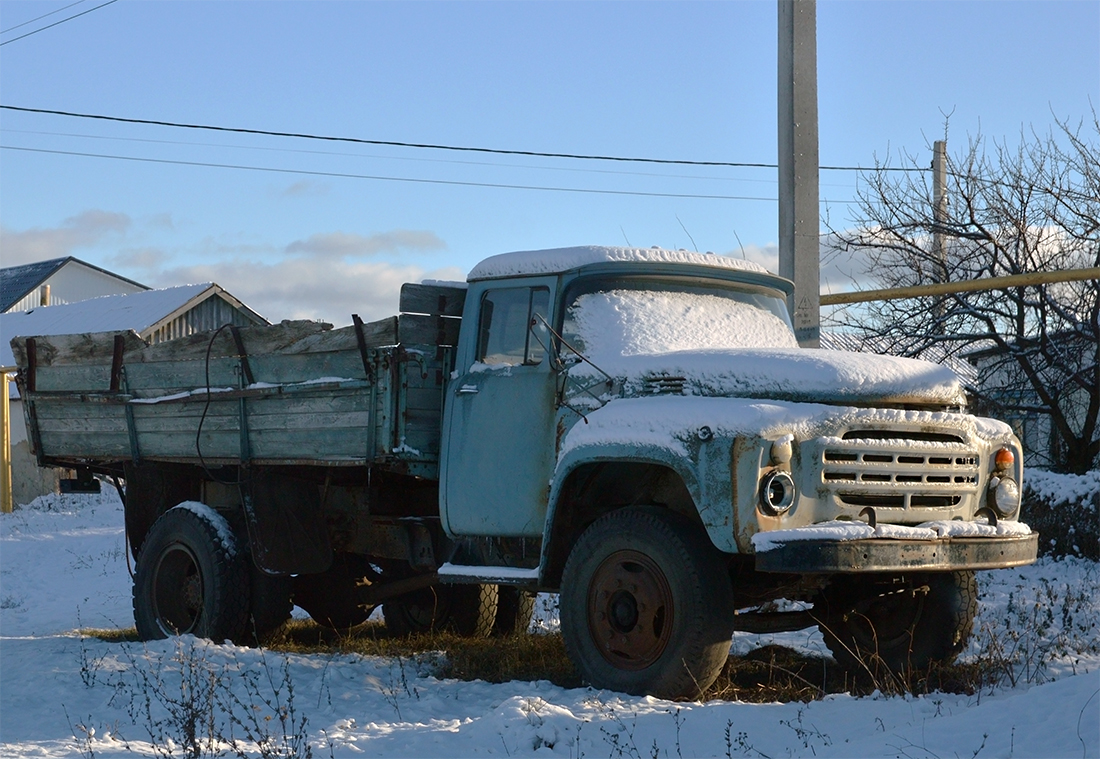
456,573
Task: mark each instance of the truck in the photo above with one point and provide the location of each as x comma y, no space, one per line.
635,430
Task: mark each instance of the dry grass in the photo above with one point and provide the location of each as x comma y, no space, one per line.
767,674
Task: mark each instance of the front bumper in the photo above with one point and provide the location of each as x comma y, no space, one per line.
891,555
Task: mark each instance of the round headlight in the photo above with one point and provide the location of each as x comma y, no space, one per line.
1006,496
776,492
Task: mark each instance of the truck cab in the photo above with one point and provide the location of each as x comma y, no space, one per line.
602,391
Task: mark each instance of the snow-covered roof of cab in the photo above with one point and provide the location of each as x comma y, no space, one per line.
557,260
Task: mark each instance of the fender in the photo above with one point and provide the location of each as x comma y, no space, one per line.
705,473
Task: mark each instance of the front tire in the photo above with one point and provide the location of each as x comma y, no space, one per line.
191,577
647,605
900,626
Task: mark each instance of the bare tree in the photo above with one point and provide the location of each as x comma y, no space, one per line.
1034,207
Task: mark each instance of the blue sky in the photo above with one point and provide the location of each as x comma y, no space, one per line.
682,80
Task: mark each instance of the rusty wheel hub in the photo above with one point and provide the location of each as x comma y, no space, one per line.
630,610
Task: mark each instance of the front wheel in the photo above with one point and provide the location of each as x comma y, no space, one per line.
191,577
901,625
647,604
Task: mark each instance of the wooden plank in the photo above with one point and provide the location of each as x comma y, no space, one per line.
85,378
416,329
81,425
155,380
257,339
92,445
432,299
283,369
84,348
382,333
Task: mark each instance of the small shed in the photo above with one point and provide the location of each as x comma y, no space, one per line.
156,315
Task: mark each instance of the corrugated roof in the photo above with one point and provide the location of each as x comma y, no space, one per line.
17,281
136,311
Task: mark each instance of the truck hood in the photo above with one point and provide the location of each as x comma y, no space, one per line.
790,374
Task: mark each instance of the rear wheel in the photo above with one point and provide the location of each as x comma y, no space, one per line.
647,604
191,577
900,626
467,610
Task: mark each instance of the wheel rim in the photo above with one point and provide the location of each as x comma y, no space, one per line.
630,610
178,590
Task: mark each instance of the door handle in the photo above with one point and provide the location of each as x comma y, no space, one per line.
467,390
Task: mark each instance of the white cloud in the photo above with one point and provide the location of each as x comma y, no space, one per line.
345,245
37,244
309,288
841,270
320,277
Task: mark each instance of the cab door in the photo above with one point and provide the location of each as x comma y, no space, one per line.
498,425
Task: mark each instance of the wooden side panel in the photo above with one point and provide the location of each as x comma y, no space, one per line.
357,414
416,329
432,299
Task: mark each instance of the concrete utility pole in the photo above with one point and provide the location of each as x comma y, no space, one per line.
939,216
799,213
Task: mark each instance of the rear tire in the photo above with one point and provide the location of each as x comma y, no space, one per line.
466,610
904,626
647,605
191,577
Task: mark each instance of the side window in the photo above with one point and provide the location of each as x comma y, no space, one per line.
504,334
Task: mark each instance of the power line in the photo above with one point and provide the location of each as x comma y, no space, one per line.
343,175
39,18
429,146
56,23
299,151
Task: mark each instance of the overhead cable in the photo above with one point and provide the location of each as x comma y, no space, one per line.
57,23
428,146
413,180
39,18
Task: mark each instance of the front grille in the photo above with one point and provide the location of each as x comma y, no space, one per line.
899,469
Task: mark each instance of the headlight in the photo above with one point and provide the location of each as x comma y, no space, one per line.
1005,496
776,492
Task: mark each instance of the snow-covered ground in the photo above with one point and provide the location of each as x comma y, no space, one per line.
63,566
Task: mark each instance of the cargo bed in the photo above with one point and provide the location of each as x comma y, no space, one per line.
298,392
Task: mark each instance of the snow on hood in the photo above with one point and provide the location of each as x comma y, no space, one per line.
669,423
553,261
791,374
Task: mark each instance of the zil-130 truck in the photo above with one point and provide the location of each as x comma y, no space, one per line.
635,430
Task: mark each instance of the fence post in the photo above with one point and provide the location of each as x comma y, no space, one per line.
5,444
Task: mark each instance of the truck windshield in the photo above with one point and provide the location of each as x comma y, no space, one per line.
630,317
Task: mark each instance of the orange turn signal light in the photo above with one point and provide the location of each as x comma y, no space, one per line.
1004,458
